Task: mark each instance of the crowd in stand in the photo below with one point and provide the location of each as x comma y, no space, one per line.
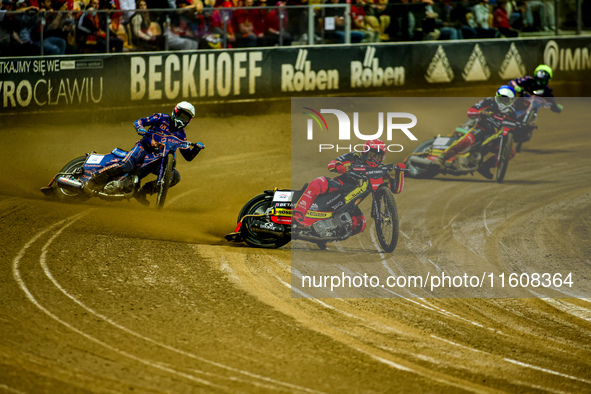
73,26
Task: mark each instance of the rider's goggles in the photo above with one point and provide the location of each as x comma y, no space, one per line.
184,117
542,77
374,156
504,100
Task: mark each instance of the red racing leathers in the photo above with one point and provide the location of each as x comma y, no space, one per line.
324,184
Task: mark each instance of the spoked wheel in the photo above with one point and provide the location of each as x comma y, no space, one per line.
70,194
505,151
417,170
258,206
164,183
386,220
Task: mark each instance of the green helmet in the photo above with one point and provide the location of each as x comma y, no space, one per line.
543,74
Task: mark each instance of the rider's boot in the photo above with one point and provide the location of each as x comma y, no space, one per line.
464,143
148,189
484,169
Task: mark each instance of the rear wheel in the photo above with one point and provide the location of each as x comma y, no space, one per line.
258,206
72,170
505,149
417,170
386,220
164,183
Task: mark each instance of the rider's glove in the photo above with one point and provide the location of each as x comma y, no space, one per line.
486,113
142,132
517,88
198,146
340,168
557,108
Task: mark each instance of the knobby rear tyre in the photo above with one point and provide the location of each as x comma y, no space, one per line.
257,206
67,194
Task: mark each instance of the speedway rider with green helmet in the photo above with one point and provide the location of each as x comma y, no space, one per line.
537,85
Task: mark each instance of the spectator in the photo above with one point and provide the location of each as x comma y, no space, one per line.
276,22
481,17
501,21
334,25
27,32
382,13
538,7
145,34
5,34
459,17
434,28
359,22
92,31
247,26
221,21
403,20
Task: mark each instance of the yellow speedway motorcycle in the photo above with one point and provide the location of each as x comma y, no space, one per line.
265,221
500,145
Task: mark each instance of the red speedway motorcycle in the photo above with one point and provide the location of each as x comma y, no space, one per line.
265,221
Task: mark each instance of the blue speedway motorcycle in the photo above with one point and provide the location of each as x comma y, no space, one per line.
69,184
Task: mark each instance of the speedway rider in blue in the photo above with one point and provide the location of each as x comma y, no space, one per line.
146,154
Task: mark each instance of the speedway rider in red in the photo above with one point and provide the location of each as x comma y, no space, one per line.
492,113
537,85
373,154
145,152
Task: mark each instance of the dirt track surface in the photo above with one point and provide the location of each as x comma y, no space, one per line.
114,297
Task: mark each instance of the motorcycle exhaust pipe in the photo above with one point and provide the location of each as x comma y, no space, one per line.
420,160
70,182
267,227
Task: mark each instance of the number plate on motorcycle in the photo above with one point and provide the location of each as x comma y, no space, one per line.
441,142
282,196
94,159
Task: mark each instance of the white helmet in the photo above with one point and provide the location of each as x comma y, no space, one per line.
505,97
182,114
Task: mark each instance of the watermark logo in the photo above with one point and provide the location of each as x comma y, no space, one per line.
388,123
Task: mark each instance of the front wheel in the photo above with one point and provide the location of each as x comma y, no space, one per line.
164,183
505,151
258,206
386,220
70,171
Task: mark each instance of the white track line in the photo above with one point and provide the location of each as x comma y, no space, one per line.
23,286
125,329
